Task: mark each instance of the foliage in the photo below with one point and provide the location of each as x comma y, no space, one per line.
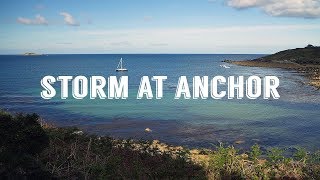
86,156
275,155
300,155
307,55
31,150
224,162
22,138
255,152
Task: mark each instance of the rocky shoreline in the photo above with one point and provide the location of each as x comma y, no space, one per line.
309,70
70,153
305,60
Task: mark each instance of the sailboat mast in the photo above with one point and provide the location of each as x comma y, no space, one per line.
120,66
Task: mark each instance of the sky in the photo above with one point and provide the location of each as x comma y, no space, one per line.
157,26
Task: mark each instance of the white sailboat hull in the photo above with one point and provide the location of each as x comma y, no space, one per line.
121,69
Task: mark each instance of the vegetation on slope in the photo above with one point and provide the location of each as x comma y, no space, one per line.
32,149
28,150
306,60
308,55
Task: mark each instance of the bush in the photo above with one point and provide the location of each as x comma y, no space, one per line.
27,150
224,162
91,157
275,155
22,139
255,153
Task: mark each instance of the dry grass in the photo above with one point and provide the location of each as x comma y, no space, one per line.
64,153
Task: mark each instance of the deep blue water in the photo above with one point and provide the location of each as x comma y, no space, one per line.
292,120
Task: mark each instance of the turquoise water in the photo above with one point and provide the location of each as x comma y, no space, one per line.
292,120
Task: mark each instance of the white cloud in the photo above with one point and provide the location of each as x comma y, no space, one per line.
158,44
122,43
244,3
235,39
199,31
68,19
40,7
147,18
285,8
39,20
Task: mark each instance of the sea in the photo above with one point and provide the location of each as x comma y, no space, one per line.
291,121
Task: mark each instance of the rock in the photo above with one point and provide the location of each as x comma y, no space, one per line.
31,54
194,151
262,161
78,132
244,156
148,130
239,142
155,142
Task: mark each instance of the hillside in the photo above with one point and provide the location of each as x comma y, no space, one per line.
305,60
302,56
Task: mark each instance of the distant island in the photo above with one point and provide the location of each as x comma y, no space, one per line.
32,54
306,60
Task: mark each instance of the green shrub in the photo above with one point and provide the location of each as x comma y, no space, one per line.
275,155
29,151
301,155
22,139
224,162
255,152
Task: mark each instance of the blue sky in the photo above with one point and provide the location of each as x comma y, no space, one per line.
162,26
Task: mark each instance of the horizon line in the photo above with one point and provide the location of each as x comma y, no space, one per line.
134,54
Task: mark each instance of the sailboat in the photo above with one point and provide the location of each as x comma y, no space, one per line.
119,67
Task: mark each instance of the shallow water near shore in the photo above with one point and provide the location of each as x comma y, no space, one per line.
292,120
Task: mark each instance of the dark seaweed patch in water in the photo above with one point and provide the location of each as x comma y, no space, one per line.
21,100
172,132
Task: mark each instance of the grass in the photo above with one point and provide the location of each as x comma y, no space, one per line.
30,148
